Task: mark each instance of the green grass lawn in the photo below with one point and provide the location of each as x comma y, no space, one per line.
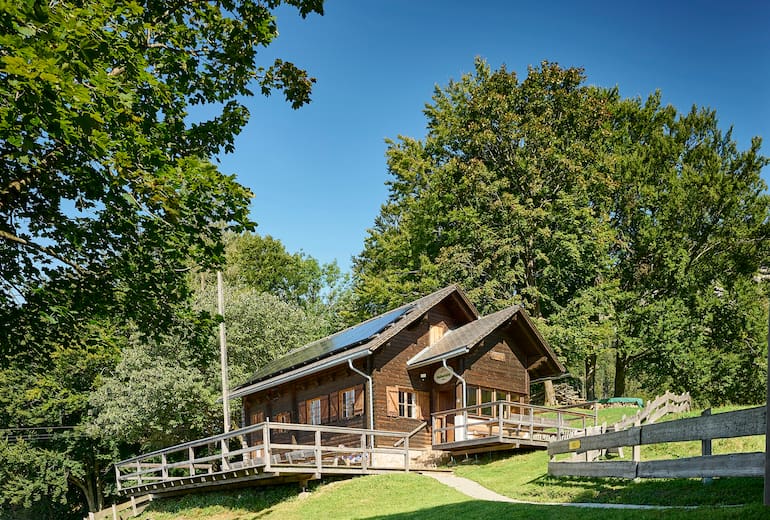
398,496
522,476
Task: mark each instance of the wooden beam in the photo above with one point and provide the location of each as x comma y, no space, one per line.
730,465
618,469
739,423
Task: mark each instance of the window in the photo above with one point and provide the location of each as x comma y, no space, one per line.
257,417
478,396
437,332
314,411
486,397
347,403
408,403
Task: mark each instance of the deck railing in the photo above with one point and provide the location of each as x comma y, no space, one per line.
505,420
269,447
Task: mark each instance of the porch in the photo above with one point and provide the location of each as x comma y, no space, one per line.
504,425
268,452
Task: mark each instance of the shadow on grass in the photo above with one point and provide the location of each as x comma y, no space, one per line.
483,510
673,492
251,499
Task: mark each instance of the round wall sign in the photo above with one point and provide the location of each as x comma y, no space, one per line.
442,375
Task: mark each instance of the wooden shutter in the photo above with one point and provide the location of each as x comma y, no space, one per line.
334,406
392,401
358,406
257,417
324,409
423,402
302,409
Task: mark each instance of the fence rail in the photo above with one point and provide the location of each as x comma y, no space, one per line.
740,423
655,409
268,447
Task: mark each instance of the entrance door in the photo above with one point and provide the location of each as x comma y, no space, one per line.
444,400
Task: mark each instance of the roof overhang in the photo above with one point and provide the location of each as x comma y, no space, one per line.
299,373
436,359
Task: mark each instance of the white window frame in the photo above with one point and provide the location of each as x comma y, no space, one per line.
407,404
348,404
314,411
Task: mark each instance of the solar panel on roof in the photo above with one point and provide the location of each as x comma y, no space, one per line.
327,346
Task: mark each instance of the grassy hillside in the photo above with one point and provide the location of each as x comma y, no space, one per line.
521,476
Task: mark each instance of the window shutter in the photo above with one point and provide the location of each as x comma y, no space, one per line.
334,406
358,406
324,409
302,409
423,401
392,401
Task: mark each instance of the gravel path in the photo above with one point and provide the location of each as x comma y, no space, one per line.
475,490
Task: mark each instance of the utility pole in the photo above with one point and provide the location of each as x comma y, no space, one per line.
767,423
223,353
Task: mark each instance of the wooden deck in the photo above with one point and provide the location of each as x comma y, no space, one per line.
506,425
265,453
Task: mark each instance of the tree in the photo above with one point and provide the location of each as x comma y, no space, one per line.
691,218
107,199
102,196
501,196
260,328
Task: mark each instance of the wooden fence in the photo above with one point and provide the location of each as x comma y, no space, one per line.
122,511
655,409
739,423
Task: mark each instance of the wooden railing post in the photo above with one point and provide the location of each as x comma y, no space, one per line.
500,421
406,454
364,452
139,475
117,477
266,444
224,448
191,460
163,467
705,445
317,450
531,423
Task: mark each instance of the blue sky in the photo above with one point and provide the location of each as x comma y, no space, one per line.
319,173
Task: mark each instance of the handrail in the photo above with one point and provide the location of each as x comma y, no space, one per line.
144,469
411,433
544,409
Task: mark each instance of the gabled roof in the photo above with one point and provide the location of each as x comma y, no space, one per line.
465,337
461,340
348,344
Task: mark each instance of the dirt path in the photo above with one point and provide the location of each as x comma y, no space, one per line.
475,490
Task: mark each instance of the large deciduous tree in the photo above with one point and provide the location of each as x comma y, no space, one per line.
100,192
107,198
626,226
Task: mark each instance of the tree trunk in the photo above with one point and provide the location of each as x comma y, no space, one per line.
550,393
621,363
591,377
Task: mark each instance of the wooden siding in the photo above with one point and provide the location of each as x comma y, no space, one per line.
287,397
483,366
390,369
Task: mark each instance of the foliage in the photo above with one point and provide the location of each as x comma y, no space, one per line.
262,263
260,327
154,400
102,197
497,195
628,227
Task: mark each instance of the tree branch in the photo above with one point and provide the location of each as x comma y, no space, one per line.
43,249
